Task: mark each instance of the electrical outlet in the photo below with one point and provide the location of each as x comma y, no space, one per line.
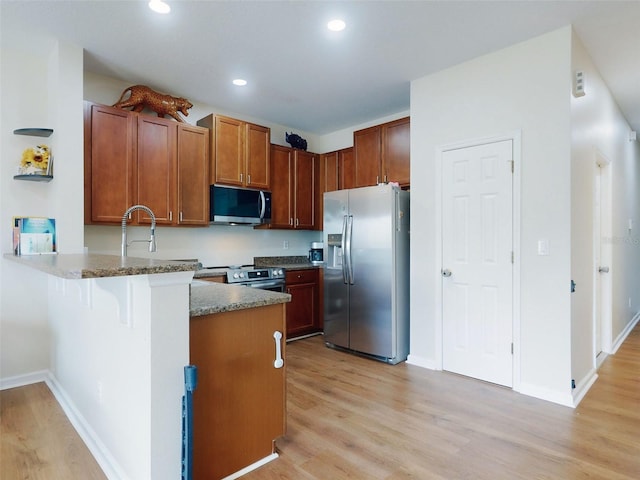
629,302
285,245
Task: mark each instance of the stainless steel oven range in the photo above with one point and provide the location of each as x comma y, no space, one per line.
265,278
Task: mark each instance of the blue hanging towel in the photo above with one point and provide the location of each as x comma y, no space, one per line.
190,383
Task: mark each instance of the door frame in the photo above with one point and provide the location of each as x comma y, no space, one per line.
516,138
605,281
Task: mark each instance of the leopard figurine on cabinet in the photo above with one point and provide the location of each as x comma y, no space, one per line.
142,96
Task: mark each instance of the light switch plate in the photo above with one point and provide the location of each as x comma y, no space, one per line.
543,246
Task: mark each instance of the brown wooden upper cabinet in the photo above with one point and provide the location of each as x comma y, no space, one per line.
293,188
336,173
239,152
381,154
133,158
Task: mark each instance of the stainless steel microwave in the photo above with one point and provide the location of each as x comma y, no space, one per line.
239,206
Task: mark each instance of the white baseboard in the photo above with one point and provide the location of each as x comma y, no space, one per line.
251,467
565,399
422,362
22,380
100,452
625,333
88,436
583,386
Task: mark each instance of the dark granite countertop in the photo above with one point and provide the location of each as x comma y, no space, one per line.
209,297
210,272
78,266
287,262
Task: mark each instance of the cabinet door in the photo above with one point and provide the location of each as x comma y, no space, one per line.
281,187
328,181
329,172
366,146
304,190
228,161
193,175
109,162
257,157
395,151
347,169
156,172
302,311
239,403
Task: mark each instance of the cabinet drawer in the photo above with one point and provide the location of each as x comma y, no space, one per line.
301,276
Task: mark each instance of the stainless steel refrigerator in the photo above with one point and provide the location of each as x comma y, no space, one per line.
366,272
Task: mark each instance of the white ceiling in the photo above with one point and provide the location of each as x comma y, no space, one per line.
303,76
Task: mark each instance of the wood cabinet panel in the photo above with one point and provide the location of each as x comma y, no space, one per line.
132,159
303,310
382,154
281,187
366,145
110,158
336,173
156,169
239,403
258,142
293,188
228,157
239,152
304,190
193,175
396,145
347,169
329,172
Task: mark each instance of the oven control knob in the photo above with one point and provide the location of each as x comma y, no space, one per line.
235,275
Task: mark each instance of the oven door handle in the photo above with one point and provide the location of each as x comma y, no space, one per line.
264,284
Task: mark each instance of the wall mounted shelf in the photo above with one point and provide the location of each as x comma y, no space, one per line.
34,132
34,178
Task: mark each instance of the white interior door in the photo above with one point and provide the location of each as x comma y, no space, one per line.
597,227
602,259
477,261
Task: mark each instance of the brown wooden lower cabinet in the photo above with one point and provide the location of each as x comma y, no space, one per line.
239,401
303,312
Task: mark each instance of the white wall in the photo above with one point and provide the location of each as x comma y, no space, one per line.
521,88
41,87
599,130
121,344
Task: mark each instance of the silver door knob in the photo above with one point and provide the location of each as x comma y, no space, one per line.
603,269
446,272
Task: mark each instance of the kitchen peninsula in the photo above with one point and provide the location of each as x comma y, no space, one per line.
121,340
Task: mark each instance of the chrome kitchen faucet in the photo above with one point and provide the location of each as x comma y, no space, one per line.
152,239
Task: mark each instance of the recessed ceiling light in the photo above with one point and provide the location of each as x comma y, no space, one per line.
239,82
159,6
336,25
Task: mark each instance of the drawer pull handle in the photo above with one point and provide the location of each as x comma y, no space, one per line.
278,362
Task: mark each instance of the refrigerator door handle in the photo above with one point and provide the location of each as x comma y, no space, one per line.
343,247
349,260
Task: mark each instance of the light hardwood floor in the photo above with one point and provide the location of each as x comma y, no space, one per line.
353,418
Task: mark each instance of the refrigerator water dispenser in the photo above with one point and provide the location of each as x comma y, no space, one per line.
334,251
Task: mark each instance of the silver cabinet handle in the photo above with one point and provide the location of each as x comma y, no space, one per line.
603,269
446,272
279,362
